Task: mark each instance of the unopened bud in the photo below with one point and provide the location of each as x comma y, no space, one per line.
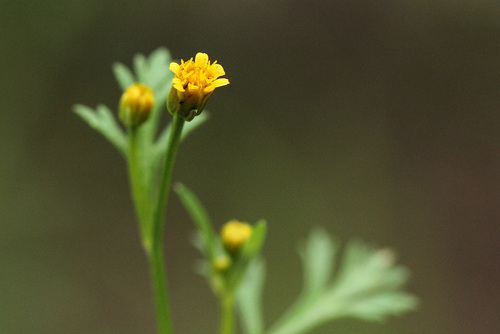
136,104
234,234
221,263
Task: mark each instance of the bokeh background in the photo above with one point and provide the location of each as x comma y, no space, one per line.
373,119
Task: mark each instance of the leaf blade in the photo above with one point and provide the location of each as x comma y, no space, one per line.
123,75
249,297
199,216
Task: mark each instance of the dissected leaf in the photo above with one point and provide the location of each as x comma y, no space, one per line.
366,286
104,122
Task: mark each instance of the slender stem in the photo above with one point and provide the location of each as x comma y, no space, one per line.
227,314
158,271
158,275
165,179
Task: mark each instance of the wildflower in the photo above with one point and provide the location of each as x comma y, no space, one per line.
193,84
136,104
234,234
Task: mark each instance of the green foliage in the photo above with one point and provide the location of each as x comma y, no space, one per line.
103,121
153,72
249,297
367,286
224,281
150,155
144,148
365,283
206,232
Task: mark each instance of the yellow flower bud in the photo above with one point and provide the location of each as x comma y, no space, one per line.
221,263
193,84
234,234
136,104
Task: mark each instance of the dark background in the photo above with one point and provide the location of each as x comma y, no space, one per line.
374,119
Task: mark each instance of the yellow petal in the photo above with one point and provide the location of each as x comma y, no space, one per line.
201,60
177,83
218,70
174,67
208,89
220,82
192,88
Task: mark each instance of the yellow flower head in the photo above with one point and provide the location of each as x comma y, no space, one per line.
193,84
234,234
136,104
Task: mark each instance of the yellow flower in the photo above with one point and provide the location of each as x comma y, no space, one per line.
136,104
234,234
193,84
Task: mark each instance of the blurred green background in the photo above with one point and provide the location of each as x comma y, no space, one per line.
374,119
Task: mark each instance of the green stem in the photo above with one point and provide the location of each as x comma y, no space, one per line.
227,314
165,179
158,275
158,270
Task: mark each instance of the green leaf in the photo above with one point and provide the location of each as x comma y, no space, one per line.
199,216
104,122
380,306
123,75
367,286
159,73
369,282
318,256
249,297
254,244
141,67
87,114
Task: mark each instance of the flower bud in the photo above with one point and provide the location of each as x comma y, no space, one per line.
136,104
221,263
193,84
234,234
